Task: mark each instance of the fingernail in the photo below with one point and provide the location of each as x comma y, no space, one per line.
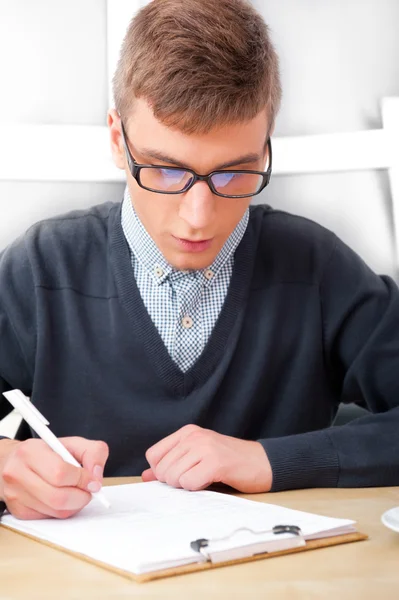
98,472
94,486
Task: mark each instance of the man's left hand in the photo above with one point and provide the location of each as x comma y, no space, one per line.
192,458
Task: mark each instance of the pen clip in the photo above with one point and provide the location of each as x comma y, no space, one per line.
20,401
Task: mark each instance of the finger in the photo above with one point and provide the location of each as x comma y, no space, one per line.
91,454
50,467
168,460
19,511
148,475
33,509
37,494
156,452
197,478
173,476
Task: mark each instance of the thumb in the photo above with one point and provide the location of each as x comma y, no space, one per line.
148,475
91,454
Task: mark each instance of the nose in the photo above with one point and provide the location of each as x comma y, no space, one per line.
197,206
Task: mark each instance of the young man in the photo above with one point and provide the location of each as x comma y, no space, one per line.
183,327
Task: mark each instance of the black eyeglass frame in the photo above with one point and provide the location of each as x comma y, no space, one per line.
135,169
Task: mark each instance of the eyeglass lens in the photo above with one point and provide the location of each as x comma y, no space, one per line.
230,183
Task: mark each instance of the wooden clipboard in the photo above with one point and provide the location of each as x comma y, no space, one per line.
202,566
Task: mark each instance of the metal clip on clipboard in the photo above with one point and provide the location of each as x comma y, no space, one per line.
201,544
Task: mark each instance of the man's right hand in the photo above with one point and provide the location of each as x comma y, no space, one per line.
36,483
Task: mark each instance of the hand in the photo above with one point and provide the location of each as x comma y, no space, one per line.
193,458
36,483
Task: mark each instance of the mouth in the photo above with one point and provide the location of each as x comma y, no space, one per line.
193,246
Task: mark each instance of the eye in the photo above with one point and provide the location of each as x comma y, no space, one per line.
222,179
171,173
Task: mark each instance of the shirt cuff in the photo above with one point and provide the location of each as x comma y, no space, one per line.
305,460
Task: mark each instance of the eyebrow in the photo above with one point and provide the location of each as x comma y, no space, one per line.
241,160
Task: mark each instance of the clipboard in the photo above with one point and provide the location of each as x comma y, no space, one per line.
201,565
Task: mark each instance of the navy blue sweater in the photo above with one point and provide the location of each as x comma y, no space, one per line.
305,325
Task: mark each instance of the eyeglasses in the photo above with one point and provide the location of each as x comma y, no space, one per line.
174,180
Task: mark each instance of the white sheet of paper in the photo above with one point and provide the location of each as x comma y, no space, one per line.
150,526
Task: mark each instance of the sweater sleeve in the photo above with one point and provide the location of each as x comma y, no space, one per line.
17,322
360,316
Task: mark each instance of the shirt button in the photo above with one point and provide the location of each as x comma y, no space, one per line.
208,274
187,322
158,271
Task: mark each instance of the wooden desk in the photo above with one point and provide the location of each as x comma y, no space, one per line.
366,570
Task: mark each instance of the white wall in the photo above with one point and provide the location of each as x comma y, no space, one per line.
52,57
53,71
338,58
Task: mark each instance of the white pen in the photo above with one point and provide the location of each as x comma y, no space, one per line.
39,423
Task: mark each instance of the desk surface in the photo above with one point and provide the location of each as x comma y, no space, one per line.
369,569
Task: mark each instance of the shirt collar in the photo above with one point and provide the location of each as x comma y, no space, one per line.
141,243
151,258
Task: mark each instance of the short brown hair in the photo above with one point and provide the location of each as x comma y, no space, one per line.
198,63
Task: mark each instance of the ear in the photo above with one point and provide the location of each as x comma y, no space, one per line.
117,150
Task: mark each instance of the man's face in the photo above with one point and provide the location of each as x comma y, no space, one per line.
176,221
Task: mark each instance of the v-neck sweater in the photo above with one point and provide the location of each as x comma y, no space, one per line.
305,325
